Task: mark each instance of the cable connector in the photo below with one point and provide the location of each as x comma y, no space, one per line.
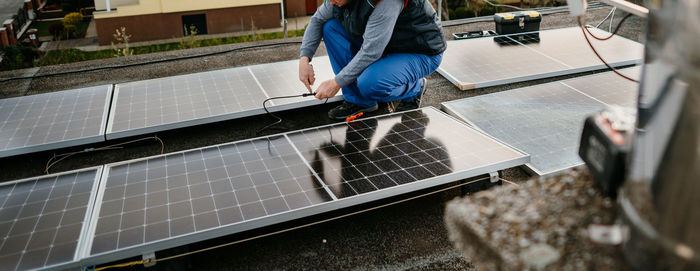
353,117
308,94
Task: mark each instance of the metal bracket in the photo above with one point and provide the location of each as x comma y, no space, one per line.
493,176
607,234
149,256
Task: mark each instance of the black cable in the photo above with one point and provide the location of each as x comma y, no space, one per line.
614,32
60,157
279,120
151,62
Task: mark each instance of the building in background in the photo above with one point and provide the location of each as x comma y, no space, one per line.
162,19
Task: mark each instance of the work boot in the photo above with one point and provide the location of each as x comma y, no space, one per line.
347,109
415,103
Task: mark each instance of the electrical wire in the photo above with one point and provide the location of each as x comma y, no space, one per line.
612,18
123,265
279,120
292,228
507,181
151,62
51,162
617,28
612,11
583,30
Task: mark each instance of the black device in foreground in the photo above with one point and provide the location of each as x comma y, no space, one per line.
473,34
517,22
604,147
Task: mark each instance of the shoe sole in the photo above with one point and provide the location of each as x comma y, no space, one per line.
394,106
424,88
365,110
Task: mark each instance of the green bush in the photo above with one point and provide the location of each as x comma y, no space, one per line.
72,18
463,12
17,57
488,10
71,55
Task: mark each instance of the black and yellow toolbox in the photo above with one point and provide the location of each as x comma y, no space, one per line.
517,22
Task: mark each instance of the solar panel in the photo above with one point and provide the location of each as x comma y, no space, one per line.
483,62
545,120
170,200
42,219
282,79
610,88
379,153
53,120
185,100
568,46
172,102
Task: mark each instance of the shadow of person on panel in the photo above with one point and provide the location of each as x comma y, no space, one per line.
372,157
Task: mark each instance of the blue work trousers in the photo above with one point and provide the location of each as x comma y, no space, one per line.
395,76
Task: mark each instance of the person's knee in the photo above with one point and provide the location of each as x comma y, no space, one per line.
331,27
372,86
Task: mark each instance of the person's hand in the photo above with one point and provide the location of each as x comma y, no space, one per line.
306,73
327,89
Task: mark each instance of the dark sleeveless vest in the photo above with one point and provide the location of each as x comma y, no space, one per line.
416,29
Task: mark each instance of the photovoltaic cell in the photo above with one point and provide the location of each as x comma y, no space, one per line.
610,88
392,150
482,62
193,191
282,79
170,200
42,219
53,120
568,46
179,101
546,120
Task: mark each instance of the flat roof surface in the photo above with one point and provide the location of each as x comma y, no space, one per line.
406,236
8,8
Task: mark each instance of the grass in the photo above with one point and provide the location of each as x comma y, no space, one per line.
43,27
71,55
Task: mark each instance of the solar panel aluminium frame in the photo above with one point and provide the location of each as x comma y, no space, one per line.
77,256
109,135
71,142
470,85
447,108
336,204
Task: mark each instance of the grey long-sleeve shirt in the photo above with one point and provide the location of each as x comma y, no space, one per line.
380,27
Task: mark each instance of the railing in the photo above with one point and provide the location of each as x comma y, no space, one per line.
20,19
